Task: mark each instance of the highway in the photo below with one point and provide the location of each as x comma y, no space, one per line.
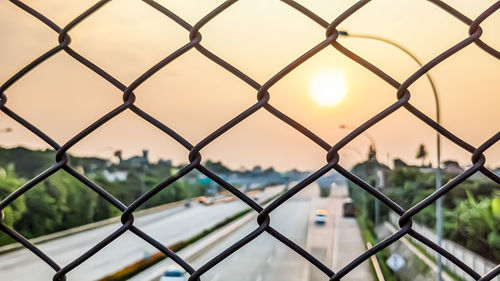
167,226
266,259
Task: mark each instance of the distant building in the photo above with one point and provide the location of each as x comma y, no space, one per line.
162,162
452,167
398,163
115,176
256,169
426,170
136,161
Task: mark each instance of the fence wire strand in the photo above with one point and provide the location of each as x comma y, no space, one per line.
402,101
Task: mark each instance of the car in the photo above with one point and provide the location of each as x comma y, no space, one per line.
348,208
321,212
320,217
173,275
206,200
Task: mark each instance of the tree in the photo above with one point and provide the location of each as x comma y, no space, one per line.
372,153
43,215
15,210
118,154
421,153
479,227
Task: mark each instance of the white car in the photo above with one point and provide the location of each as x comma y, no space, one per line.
320,217
173,275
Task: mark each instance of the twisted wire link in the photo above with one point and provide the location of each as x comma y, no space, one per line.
403,96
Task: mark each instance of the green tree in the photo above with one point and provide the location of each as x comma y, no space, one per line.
479,227
42,216
15,210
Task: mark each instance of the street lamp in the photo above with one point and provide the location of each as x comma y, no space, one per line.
439,213
355,151
377,172
343,126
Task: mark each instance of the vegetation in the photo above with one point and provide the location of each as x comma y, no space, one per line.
471,210
61,201
366,228
421,153
470,215
364,204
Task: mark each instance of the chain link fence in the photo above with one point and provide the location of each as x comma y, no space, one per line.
331,151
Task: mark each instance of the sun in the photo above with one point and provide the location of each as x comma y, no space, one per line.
328,87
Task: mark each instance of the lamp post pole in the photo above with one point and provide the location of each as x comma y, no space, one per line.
378,174
439,213
372,142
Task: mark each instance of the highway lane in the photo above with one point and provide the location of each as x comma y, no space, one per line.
168,227
265,258
347,243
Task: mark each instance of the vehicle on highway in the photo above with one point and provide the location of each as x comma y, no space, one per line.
348,208
320,216
173,275
206,200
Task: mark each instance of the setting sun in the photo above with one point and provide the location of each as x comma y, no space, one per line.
328,87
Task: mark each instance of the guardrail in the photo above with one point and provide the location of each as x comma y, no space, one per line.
473,260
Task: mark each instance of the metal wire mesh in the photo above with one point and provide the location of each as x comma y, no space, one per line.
263,96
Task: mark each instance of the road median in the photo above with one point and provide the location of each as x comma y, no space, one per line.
212,235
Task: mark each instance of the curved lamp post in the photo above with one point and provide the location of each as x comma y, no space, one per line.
439,214
342,126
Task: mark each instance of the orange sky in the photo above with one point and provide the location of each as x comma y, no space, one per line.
194,96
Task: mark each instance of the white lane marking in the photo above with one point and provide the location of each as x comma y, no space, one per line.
216,277
269,259
335,254
307,266
259,278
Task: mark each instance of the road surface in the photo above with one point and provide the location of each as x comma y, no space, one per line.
168,227
267,259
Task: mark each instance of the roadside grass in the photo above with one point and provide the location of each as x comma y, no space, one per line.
382,256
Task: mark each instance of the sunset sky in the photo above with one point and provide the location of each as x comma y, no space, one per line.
194,96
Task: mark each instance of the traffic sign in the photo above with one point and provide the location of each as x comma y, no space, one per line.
395,262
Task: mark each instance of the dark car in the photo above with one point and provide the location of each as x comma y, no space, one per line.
348,209
173,275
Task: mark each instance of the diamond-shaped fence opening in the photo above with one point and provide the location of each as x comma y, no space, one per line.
194,42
